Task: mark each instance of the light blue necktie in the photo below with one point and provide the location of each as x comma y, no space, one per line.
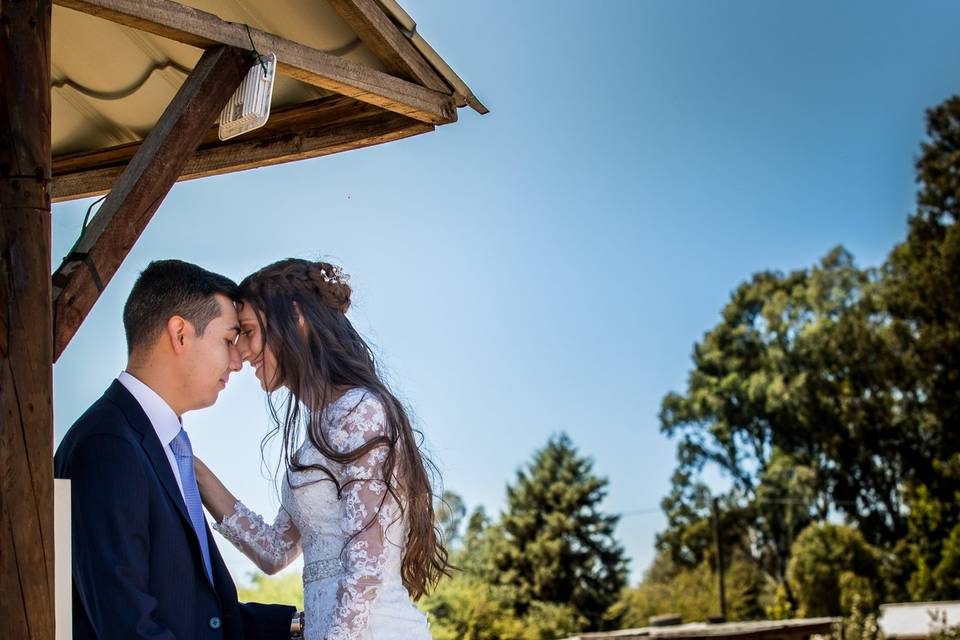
183,452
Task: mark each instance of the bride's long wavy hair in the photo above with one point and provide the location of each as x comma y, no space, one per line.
327,354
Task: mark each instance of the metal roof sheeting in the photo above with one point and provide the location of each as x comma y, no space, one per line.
110,83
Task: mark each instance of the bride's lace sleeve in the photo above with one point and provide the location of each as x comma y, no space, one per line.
271,547
364,556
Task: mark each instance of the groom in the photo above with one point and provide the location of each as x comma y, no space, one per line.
144,562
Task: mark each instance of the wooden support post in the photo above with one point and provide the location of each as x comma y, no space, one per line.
26,381
141,188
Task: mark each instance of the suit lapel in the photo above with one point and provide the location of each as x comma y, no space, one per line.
150,443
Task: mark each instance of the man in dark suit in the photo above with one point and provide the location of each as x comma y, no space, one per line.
144,561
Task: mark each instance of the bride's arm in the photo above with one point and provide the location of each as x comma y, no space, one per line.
216,497
271,547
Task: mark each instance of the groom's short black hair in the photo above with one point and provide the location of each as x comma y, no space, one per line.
168,288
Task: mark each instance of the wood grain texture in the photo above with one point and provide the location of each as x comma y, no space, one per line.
323,127
201,29
375,28
26,383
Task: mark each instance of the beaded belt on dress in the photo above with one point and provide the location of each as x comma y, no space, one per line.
321,569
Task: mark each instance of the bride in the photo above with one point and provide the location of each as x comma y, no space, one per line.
356,499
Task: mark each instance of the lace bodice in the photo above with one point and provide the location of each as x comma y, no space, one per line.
341,538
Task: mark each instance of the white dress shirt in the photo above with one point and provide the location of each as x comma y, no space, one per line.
165,422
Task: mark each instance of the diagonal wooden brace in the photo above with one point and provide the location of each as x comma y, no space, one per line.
147,179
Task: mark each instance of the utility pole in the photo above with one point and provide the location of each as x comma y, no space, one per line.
719,550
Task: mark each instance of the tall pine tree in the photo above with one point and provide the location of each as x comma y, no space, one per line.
555,545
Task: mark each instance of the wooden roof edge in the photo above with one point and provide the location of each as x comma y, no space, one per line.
732,628
409,28
926,603
375,28
197,28
744,629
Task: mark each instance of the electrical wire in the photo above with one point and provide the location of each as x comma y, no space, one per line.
86,219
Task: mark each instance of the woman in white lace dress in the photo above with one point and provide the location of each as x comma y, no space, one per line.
356,500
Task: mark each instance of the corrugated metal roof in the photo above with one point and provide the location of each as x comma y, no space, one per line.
110,83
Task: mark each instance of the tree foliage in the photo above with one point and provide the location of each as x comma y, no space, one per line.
286,588
548,567
831,568
450,511
691,592
922,293
834,392
555,545
471,609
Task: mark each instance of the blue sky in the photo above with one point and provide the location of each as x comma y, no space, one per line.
549,266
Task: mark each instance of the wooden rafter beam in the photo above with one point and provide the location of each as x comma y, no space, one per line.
141,187
204,30
368,19
318,128
331,109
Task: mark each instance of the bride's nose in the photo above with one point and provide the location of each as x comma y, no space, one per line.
243,345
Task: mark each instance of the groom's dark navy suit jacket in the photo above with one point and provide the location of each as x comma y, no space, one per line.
137,568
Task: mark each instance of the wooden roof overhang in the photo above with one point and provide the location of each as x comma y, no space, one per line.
119,97
325,104
383,88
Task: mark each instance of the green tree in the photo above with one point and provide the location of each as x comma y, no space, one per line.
788,498
450,512
833,569
481,538
466,608
691,592
921,289
787,400
553,544
935,560
286,588
552,620
835,391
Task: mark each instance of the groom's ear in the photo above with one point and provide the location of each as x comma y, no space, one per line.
177,333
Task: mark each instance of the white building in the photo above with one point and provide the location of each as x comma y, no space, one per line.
916,620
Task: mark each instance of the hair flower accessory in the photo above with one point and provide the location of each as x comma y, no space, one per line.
336,276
